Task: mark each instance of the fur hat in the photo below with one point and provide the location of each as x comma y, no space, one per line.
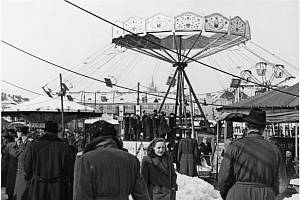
256,116
102,128
51,126
23,130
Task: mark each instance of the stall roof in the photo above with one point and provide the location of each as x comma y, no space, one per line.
270,99
279,107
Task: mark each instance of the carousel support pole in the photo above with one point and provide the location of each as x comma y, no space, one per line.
184,102
192,116
177,97
167,93
180,98
62,105
196,99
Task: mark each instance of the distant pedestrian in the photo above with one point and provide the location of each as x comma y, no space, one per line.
105,171
290,166
163,127
21,185
6,139
187,155
11,155
252,168
173,149
205,150
158,171
155,124
48,166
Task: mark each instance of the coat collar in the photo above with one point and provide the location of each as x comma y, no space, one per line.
103,142
50,137
161,163
255,134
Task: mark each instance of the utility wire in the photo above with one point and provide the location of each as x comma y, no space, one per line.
107,21
22,88
31,92
119,86
293,66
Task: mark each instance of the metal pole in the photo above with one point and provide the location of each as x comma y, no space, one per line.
62,105
217,150
192,115
95,100
84,98
296,141
165,97
138,94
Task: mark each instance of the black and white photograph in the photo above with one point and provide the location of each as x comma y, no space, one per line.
149,99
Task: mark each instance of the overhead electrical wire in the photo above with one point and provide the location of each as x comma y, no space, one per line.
22,88
93,67
107,21
95,79
293,66
27,90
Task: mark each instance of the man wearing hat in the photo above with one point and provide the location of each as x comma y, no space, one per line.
105,171
21,183
48,166
252,168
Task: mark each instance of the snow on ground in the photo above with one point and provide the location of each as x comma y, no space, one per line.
194,188
293,197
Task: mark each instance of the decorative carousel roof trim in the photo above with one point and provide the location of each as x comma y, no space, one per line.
159,23
185,22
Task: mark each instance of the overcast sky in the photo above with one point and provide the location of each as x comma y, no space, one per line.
60,33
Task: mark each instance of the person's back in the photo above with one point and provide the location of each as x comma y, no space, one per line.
252,168
113,172
48,166
256,161
187,156
106,172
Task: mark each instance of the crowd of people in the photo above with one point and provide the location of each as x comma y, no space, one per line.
148,126
48,167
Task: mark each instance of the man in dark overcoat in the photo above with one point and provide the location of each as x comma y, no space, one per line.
187,155
105,171
155,123
6,139
148,134
48,166
163,127
252,168
10,154
21,183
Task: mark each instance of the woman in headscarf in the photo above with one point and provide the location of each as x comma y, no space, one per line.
158,171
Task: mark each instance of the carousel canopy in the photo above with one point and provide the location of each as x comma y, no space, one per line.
205,34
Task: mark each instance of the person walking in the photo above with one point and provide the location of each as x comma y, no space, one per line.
252,168
9,137
187,155
48,166
105,171
21,184
10,154
163,127
158,171
155,123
